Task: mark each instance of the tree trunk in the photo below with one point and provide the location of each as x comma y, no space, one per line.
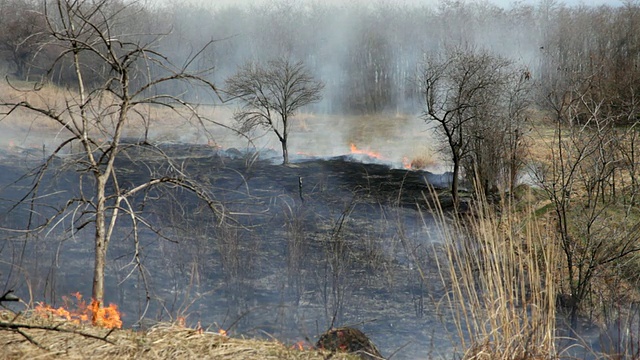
20,68
454,183
100,244
285,152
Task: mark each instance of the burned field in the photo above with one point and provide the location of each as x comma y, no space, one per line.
322,242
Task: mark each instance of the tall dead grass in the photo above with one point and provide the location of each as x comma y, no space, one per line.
499,274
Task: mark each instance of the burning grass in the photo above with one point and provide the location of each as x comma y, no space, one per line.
30,336
78,330
107,317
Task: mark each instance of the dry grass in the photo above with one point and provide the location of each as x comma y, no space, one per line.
424,160
165,122
163,341
500,275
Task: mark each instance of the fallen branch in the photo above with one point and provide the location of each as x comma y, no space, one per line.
8,296
18,328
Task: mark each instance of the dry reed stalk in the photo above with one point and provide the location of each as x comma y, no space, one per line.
499,273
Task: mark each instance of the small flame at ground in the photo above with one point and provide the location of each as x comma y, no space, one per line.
301,345
373,154
406,163
108,317
181,321
222,332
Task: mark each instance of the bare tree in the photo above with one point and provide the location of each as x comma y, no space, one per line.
472,97
94,118
271,94
24,34
596,227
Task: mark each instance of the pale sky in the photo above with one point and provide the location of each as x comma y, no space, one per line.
504,3
501,3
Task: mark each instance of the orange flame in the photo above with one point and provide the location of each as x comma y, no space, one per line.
373,154
300,345
222,332
406,163
108,317
181,321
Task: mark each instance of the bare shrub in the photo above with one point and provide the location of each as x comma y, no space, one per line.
271,95
476,102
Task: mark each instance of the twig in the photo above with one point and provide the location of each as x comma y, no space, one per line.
30,339
398,350
8,296
18,328
300,188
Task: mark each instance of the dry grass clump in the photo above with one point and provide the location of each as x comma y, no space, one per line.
424,161
499,271
350,340
31,337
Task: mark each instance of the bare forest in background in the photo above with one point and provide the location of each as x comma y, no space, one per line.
367,56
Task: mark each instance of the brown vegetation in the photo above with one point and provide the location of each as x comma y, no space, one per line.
25,336
351,340
500,272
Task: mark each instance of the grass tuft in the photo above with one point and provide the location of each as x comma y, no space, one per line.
498,272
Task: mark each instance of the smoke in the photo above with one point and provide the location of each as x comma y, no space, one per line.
368,54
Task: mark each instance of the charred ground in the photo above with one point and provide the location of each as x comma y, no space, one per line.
348,254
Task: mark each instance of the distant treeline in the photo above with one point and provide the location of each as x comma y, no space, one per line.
367,55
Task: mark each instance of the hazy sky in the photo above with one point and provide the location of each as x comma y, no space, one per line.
505,3
501,3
